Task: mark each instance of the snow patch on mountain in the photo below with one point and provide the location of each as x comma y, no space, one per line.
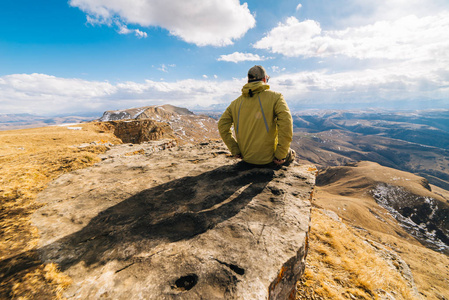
423,217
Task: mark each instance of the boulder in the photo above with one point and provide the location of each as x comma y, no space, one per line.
158,221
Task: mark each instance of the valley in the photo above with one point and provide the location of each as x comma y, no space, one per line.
416,142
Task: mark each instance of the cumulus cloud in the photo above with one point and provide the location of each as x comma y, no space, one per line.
402,81
366,12
298,7
291,38
125,30
212,22
277,69
239,56
164,67
410,38
40,93
44,94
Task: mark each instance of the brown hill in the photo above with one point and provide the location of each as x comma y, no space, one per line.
351,193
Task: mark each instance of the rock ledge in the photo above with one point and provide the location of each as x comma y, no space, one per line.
177,223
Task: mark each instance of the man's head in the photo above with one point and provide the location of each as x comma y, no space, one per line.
257,73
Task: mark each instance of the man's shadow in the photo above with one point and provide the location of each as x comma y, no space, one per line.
177,210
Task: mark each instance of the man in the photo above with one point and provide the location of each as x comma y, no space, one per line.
262,123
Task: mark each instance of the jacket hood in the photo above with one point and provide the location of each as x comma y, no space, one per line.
255,88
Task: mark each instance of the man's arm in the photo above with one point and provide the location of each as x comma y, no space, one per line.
285,128
224,127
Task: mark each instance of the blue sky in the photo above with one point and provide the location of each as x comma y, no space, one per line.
62,57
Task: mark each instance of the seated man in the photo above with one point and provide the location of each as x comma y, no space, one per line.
262,123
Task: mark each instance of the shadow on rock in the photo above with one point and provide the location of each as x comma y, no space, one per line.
177,210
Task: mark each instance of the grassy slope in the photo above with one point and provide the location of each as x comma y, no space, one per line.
339,261
29,160
341,264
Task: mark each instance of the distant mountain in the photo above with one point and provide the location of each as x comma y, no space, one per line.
156,112
415,142
20,121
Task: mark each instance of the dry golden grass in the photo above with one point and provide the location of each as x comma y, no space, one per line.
343,265
29,160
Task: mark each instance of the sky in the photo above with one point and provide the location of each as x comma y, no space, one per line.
87,56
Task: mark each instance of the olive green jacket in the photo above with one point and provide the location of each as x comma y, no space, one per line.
262,125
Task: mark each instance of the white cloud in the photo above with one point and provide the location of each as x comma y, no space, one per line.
410,38
205,76
125,30
40,93
164,67
212,22
239,56
277,69
402,81
140,34
44,94
402,55
298,7
292,38
368,12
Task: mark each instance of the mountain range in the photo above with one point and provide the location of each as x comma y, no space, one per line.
416,142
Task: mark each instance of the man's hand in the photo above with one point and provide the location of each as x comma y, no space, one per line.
239,156
279,161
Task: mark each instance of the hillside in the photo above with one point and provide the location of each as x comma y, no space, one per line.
352,193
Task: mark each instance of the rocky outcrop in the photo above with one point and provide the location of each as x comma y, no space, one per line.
184,125
139,131
158,221
150,123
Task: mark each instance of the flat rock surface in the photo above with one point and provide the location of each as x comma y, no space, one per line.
158,221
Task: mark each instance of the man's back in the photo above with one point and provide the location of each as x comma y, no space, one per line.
262,124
